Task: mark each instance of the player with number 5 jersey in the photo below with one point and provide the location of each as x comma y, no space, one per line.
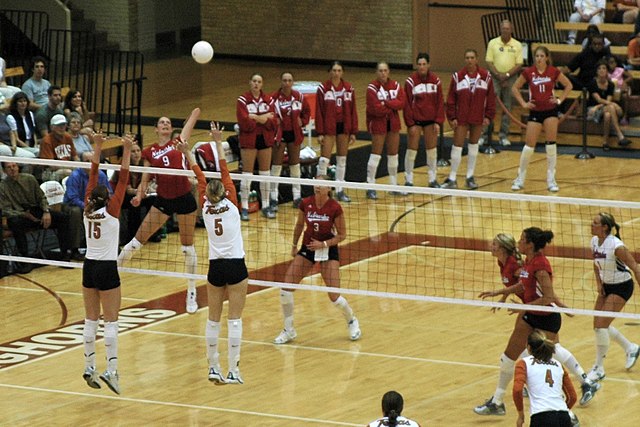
543,113
227,269
100,279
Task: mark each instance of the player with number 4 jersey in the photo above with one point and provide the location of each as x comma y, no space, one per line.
100,279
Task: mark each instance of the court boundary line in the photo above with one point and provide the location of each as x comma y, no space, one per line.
180,405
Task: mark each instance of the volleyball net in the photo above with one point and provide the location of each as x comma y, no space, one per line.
428,245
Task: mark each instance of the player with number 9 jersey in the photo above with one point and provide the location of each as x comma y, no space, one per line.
166,156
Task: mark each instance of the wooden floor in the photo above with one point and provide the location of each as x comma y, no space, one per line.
443,358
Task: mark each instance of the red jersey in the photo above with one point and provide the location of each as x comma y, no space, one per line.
508,272
336,105
384,101
532,290
319,221
425,101
168,157
250,129
471,97
288,110
541,87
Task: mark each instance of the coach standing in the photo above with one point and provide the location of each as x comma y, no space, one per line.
504,60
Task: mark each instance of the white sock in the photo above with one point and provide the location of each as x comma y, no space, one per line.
392,168
621,340
552,159
275,171
569,361
409,164
432,163
294,171
245,188
341,169
505,377
129,249
235,341
89,338
111,345
525,157
211,333
323,164
286,301
342,305
190,264
372,167
472,156
456,158
602,345
264,189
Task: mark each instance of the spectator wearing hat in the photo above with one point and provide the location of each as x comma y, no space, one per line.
57,145
26,208
50,109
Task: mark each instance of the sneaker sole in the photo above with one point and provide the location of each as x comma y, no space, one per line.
108,383
356,337
217,381
91,382
637,354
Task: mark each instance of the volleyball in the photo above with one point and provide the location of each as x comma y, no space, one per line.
202,52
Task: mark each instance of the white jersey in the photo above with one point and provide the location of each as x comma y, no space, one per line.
401,422
544,382
222,221
102,233
612,270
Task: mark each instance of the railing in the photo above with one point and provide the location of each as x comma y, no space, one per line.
72,56
21,35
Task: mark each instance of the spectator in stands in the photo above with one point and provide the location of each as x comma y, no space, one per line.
6,91
76,187
601,106
626,11
504,60
591,11
22,123
8,146
633,52
471,104
37,87
593,30
622,79
57,145
587,62
81,139
47,111
73,103
25,206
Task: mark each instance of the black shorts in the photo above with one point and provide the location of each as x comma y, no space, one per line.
423,123
624,289
180,205
288,136
334,254
541,116
545,322
339,129
100,275
260,143
551,418
223,271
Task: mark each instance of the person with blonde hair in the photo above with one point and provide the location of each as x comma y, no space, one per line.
227,269
612,265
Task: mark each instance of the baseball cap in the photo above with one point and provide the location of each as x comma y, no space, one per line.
58,119
53,191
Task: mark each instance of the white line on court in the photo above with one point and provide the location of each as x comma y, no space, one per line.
68,293
180,405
